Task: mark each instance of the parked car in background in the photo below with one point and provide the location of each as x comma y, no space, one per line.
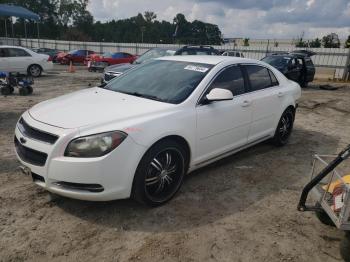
113,71
99,62
197,50
140,134
232,53
15,59
117,70
75,56
296,65
58,58
47,51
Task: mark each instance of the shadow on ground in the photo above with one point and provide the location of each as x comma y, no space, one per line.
228,186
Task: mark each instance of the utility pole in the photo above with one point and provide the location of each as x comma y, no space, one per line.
143,29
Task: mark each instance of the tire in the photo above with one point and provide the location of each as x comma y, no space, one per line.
35,70
30,90
11,89
160,173
23,91
323,217
5,90
284,128
345,247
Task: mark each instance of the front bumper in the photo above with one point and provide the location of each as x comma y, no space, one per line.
74,177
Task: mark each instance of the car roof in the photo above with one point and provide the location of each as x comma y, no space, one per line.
12,46
208,59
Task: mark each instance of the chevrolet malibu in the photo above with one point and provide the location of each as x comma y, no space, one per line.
142,132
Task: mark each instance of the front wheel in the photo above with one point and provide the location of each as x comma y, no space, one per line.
284,128
35,70
160,173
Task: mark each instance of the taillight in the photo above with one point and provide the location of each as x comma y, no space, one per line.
49,59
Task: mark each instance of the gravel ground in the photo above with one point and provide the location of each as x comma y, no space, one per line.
242,208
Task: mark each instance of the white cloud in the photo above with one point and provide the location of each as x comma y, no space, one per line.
242,18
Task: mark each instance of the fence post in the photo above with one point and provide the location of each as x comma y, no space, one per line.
346,68
267,47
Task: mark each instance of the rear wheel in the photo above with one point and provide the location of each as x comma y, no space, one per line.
6,90
160,173
30,90
23,91
284,128
35,70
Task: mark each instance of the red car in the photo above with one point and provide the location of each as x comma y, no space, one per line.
99,62
76,56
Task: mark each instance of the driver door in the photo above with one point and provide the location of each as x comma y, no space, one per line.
223,126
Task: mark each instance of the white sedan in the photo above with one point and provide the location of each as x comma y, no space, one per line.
142,132
15,59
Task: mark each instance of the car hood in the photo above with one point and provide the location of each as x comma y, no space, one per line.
119,68
94,106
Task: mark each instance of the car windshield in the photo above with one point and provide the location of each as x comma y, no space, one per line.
154,53
107,54
277,61
73,52
161,80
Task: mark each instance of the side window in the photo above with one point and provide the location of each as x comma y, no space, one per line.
309,62
274,80
16,52
230,79
117,55
259,77
3,52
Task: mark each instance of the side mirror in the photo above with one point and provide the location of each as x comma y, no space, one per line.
218,94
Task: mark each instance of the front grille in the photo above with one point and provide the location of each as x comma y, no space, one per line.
29,155
36,134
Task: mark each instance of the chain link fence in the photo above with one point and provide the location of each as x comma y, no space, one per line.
337,60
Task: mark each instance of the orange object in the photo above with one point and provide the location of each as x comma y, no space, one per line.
71,68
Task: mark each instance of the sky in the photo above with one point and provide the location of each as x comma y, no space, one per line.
258,19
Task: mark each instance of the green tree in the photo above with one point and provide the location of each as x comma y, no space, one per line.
316,43
246,42
331,41
347,42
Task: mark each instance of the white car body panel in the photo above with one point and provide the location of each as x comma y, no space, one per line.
21,64
212,131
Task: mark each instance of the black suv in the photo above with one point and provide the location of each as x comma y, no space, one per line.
296,65
116,70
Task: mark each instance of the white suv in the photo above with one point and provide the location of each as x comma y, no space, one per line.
15,59
142,132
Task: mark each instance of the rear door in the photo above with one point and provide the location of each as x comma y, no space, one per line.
265,95
310,69
19,60
294,70
224,125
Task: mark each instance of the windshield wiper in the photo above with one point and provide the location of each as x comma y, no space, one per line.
144,96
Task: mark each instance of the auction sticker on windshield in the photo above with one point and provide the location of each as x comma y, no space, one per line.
197,68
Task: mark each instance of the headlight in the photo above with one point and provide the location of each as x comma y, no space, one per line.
95,145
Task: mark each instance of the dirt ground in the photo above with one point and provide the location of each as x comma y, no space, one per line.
242,208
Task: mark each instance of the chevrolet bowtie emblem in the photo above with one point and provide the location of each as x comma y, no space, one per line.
23,140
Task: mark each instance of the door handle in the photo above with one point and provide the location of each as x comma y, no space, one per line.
280,94
246,103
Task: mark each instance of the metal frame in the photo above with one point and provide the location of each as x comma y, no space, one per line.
330,174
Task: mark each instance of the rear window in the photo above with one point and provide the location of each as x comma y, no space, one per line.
259,77
16,52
